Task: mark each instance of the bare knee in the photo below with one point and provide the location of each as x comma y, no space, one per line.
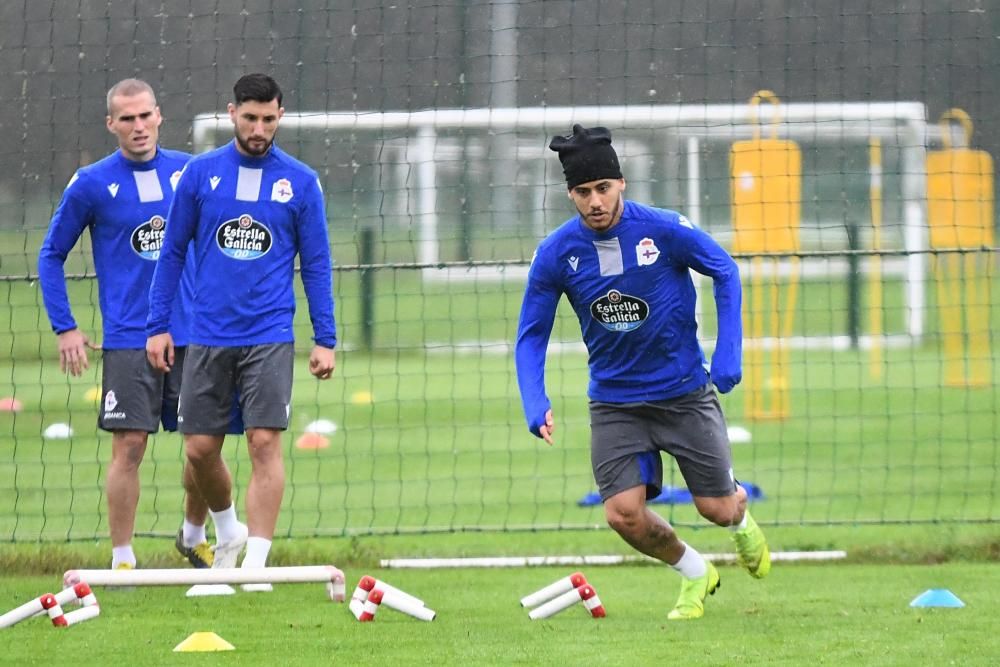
264,445
624,520
202,450
724,511
128,449
627,515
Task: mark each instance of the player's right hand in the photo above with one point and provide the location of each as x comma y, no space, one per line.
160,352
545,430
73,346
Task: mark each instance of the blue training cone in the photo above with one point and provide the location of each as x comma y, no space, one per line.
937,597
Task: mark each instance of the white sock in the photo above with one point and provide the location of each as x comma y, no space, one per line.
257,550
122,554
736,527
692,564
193,535
225,524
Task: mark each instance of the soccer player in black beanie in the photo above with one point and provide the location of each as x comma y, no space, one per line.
625,269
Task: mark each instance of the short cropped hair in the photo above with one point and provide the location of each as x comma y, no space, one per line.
256,88
129,88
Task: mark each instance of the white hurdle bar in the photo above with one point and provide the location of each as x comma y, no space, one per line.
302,574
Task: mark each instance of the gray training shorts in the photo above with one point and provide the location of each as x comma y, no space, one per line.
627,438
259,376
135,396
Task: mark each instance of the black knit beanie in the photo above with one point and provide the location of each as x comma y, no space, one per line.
586,155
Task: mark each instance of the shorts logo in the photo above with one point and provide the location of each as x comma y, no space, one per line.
619,312
281,191
147,238
646,252
243,238
110,401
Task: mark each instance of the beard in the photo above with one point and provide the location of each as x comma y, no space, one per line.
251,150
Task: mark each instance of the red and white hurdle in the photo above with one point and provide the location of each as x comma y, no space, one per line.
561,595
371,594
52,605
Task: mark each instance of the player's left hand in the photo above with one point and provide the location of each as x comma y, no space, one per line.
726,373
322,361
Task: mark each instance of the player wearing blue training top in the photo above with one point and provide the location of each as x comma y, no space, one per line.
624,268
249,209
123,201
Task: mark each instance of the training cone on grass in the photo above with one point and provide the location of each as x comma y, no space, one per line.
738,435
321,426
10,404
209,590
312,441
362,398
57,431
937,597
93,395
203,642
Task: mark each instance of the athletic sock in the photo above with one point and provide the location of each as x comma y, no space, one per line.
736,527
193,535
123,554
692,564
225,524
257,550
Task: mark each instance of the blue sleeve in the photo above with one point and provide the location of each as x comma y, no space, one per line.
534,327
71,217
316,267
182,220
700,251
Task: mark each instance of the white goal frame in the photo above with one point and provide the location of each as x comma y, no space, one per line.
903,123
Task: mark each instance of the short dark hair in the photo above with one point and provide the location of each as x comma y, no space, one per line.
256,88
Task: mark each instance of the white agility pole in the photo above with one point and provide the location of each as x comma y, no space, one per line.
406,605
333,576
367,584
82,614
26,610
565,601
607,559
557,588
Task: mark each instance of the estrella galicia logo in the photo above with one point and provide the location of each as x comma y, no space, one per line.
147,238
619,312
243,238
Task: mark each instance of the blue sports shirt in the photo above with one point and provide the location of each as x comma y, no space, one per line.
247,217
632,292
124,204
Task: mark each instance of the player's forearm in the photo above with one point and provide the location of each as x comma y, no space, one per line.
162,292
52,279
728,304
316,280
529,363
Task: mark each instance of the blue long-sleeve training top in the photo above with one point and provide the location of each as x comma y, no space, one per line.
632,292
247,218
124,204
